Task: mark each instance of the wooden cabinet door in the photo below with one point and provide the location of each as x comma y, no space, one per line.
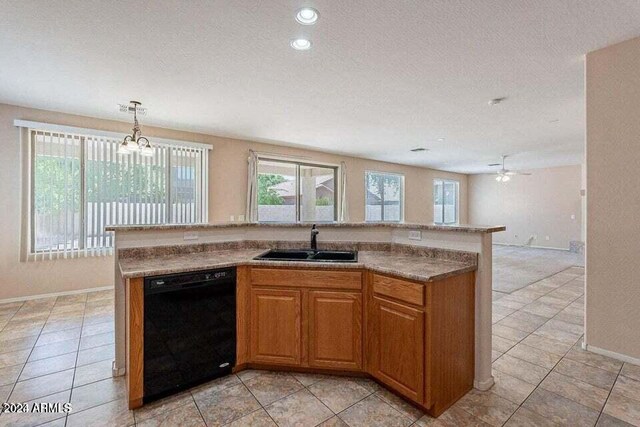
335,330
397,346
275,326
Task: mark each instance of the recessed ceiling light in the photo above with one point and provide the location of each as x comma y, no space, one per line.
419,149
440,139
307,16
301,44
554,121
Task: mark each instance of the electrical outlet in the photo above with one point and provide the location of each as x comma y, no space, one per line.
241,218
231,218
190,235
415,235
573,216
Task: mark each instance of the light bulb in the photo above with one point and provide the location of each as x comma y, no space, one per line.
124,148
307,16
146,151
301,44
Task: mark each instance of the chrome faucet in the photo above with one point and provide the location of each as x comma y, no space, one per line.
314,239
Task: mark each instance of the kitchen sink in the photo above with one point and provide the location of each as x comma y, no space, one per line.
308,255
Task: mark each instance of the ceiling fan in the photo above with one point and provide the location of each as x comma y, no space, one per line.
505,175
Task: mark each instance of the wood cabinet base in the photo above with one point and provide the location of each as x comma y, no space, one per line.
414,338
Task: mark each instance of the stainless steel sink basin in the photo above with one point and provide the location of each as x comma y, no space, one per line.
308,255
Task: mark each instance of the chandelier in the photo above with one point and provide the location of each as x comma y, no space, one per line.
135,142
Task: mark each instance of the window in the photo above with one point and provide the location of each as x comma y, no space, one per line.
296,192
384,194
79,185
445,201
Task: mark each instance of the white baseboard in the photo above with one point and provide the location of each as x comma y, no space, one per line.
612,354
55,294
531,246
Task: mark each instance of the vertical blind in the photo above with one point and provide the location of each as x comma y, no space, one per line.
80,184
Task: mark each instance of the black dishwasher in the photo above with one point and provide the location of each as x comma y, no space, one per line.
189,330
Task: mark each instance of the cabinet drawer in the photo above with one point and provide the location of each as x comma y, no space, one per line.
401,290
295,278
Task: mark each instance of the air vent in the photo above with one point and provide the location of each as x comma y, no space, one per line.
419,149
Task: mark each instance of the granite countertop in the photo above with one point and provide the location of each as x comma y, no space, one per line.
408,266
465,228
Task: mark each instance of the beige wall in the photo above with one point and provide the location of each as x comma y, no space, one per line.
613,199
539,205
227,196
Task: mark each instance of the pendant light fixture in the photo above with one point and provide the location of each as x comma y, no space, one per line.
135,141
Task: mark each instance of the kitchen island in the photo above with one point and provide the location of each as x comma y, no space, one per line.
404,314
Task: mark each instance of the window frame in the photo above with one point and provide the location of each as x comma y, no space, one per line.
298,163
28,131
457,204
402,198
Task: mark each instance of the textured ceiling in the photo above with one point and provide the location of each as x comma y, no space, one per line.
382,77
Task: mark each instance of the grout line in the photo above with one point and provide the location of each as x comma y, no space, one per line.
609,395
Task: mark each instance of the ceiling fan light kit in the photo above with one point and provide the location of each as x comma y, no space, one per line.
504,175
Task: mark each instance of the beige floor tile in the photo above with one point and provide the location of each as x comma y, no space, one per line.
373,411
272,386
299,409
570,318
609,421
576,390
623,408
42,386
338,393
405,408
542,309
18,344
512,302
98,328
627,387
94,372
53,337
457,417
93,319
502,345
521,369
98,393
502,310
100,295
18,357
560,410
367,384
61,325
96,354
258,418
224,406
55,349
97,340
335,421
116,414
524,417
247,374
557,334
5,390
71,299
535,356
487,406
565,326
183,416
9,375
426,420
511,388
37,418
589,374
158,407
526,322
595,360
51,365
495,355
552,346
308,379
509,333
631,371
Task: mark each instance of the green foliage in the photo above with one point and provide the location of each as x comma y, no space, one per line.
57,183
266,194
323,201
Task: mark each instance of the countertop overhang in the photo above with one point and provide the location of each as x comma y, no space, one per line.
408,266
461,228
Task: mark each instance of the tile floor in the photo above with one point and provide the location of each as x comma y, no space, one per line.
60,350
